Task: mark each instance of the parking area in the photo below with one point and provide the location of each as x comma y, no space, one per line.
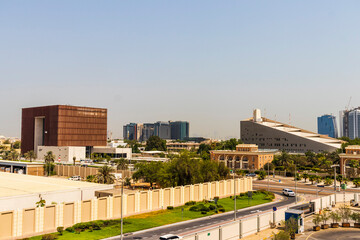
336,234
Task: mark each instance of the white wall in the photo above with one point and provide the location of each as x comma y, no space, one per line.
64,154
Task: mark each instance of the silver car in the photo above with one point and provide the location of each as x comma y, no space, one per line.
288,192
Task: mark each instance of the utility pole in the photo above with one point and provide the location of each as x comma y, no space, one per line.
334,166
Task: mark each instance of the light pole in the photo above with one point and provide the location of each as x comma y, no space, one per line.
122,199
334,166
295,186
268,176
234,196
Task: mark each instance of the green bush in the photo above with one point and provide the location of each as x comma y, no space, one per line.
204,209
91,229
77,230
220,206
194,208
203,212
242,194
70,229
170,208
96,226
48,237
60,230
190,203
212,207
221,209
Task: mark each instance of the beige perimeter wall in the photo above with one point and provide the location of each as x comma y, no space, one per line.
35,221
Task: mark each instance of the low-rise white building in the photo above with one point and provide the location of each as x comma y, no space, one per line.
62,154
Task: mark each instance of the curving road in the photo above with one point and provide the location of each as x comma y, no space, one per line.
336,234
190,226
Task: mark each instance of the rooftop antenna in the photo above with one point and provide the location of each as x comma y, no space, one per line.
290,119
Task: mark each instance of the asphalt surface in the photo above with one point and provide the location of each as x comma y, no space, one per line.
193,225
338,234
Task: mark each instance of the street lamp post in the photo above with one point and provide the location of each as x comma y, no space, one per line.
122,199
234,196
334,166
268,176
295,186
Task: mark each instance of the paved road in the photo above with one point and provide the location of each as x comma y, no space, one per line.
291,184
193,225
338,234
300,189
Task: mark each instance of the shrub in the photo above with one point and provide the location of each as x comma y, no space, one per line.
204,209
242,194
77,230
190,203
70,229
90,229
212,207
96,225
194,208
48,237
170,207
60,230
203,212
216,198
220,206
221,209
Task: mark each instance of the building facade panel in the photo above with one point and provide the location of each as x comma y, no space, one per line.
62,125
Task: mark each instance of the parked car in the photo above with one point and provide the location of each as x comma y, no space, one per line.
170,236
250,175
288,192
75,178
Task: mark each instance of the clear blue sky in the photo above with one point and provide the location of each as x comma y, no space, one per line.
208,62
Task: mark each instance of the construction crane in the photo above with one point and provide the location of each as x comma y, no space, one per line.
347,107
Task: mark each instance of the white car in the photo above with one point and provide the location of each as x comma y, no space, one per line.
288,192
170,236
75,178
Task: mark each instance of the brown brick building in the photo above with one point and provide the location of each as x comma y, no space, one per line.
63,125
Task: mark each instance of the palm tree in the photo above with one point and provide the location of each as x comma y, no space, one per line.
30,155
49,157
105,175
13,156
121,164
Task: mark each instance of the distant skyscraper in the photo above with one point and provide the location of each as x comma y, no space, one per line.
179,130
148,131
350,123
162,130
327,125
354,124
130,131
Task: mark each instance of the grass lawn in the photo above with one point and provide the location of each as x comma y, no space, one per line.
162,217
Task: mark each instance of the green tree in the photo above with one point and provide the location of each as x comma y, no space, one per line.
49,168
121,163
105,175
49,157
354,164
13,156
134,145
155,143
16,145
148,172
312,178
305,176
30,155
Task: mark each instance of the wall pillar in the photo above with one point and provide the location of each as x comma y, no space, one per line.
192,189
137,202
217,188
201,191
94,209
150,200
182,195
110,207
172,196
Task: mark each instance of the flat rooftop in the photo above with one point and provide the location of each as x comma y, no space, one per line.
12,184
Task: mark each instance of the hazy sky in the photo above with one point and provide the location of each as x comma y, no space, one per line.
207,62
